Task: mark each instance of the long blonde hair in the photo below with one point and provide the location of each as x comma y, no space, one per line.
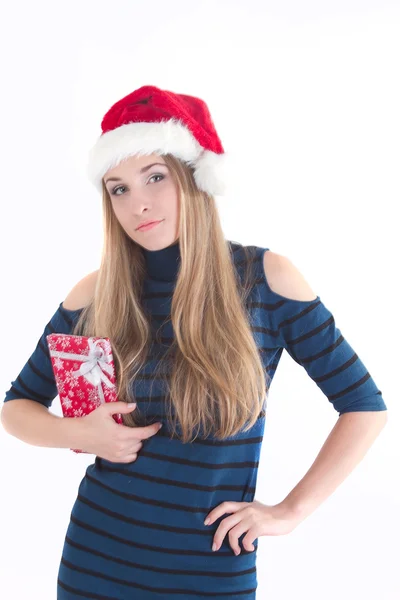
217,379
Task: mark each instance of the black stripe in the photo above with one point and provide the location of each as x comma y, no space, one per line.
65,316
44,348
167,340
130,542
138,522
311,333
31,392
345,366
269,306
200,464
17,392
260,329
350,388
142,376
39,373
77,592
210,442
160,341
173,572
180,484
19,395
303,361
98,574
149,295
145,419
148,501
49,328
323,352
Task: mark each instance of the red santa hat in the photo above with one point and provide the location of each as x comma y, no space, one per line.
150,120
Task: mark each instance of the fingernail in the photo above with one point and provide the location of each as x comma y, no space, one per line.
206,522
214,547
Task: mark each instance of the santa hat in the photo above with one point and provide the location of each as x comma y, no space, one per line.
150,120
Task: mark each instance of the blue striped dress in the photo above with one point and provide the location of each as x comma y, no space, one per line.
137,530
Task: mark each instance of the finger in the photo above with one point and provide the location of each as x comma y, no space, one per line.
147,431
248,541
118,407
223,529
222,509
252,535
236,532
130,448
135,434
130,457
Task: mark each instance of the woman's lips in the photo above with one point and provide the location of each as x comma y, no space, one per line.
150,226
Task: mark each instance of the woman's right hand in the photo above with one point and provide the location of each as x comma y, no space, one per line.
114,442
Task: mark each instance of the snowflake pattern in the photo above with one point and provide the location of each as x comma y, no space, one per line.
67,402
78,412
58,363
93,395
60,386
64,343
69,377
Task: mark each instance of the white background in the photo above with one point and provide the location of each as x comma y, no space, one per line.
305,97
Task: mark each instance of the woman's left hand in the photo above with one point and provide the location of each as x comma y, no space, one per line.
254,517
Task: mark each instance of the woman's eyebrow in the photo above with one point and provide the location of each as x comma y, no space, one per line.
142,170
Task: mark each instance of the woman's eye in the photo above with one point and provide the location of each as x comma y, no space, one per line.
115,189
122,186
157,175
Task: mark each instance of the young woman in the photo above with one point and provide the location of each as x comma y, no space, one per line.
198,325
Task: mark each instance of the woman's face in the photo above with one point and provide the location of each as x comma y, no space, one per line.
140,192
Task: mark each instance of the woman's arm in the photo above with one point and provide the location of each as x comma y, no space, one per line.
344,448
32,423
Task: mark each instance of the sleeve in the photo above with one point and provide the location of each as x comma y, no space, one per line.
36,380
308,332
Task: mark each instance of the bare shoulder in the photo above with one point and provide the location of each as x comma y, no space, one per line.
285,279
82,293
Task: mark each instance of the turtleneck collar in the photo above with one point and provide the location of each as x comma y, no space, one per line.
163,264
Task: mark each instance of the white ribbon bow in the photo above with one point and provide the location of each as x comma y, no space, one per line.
93,365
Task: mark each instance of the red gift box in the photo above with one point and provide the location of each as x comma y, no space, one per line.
84,372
